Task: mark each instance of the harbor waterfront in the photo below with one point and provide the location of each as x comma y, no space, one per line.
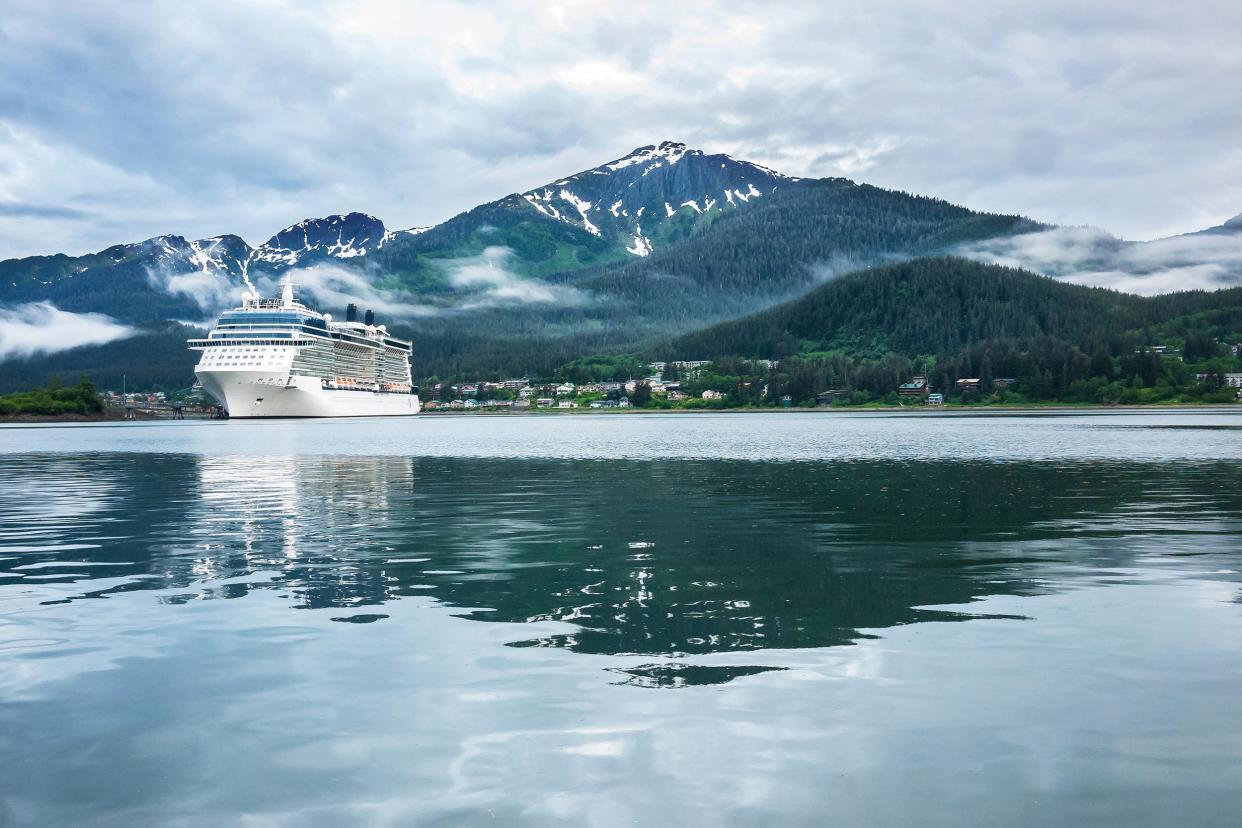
831,618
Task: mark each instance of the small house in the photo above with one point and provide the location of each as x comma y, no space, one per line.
935,399
829,397
916,387
968,385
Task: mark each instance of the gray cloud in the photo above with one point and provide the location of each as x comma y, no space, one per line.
41,327
237,117
1090,256
333,286
489,283
209,291
15,209
478,282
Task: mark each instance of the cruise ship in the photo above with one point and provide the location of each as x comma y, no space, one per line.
279,358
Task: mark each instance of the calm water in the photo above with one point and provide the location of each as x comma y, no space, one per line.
623,620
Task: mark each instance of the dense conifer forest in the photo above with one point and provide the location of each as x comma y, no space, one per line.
949,319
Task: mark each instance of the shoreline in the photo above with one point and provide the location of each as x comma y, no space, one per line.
104,417
949,410
1051,408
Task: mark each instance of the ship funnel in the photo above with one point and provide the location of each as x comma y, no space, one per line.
369,318
351,313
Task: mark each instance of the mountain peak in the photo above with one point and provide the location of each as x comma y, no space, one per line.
668,151
338,236
654,194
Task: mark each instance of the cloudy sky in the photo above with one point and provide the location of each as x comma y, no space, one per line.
120,121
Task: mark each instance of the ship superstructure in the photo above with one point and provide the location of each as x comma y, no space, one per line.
279,358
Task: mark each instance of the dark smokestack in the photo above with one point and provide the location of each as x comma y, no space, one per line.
351,313
370,317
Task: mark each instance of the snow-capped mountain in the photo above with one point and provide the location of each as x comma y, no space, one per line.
341,237
635,199
630,206
218,256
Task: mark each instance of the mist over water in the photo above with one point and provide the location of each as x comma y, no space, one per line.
767,619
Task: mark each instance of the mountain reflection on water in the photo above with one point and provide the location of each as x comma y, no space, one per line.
671,560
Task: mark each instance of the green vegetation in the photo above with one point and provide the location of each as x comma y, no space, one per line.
53,400
602,368
423,263
949,319
721,267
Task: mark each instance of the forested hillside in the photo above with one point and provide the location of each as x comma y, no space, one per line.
934,305
949,318
786,244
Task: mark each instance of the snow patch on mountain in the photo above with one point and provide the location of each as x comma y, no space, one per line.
641,245
203,256
667,151
608,201
582,206
542,203
339,237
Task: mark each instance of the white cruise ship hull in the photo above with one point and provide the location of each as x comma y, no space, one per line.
273,394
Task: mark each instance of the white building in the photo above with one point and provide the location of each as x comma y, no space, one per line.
1231,380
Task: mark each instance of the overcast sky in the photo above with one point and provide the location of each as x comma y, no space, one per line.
124,120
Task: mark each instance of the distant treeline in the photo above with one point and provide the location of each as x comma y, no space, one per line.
53,400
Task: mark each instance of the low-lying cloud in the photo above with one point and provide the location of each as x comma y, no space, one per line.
478,282
333,286
210,291
488,283
1090,256
838,265
41,327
